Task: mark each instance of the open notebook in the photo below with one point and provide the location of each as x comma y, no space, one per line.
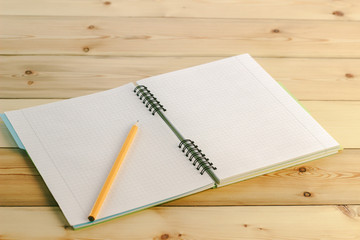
230,109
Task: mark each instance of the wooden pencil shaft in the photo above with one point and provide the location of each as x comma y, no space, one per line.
113,172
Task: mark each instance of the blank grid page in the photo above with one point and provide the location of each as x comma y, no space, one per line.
241,118
75,142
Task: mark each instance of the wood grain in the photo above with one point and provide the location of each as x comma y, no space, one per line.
71,76
331,180
265,223
270,9
177,37
340,118
20,180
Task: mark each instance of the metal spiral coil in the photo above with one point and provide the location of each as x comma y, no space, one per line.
148,99
196,156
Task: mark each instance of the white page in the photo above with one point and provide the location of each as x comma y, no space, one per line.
238,115
75,142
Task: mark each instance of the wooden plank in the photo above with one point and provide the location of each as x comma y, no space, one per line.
292,222
177,37
20,180
271,9
340,118
71,76
331,180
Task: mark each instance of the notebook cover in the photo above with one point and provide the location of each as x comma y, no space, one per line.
12,131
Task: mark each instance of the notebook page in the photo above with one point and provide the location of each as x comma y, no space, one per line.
238,115
75,142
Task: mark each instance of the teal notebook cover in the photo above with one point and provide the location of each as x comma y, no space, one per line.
12,131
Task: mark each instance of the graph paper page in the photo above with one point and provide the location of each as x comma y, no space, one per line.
238,115
75,142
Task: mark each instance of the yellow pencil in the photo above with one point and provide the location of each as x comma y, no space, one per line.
110,179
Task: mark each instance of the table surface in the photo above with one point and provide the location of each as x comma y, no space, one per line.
57,49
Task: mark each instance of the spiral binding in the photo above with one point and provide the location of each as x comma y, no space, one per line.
149,100
196,154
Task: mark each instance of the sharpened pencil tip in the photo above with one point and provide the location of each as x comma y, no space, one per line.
137,122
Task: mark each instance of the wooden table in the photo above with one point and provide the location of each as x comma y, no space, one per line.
56,49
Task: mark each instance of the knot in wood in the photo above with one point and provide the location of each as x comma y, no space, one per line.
164,236
307,194
338,13
349,75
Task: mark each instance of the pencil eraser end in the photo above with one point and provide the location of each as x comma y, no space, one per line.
91,218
